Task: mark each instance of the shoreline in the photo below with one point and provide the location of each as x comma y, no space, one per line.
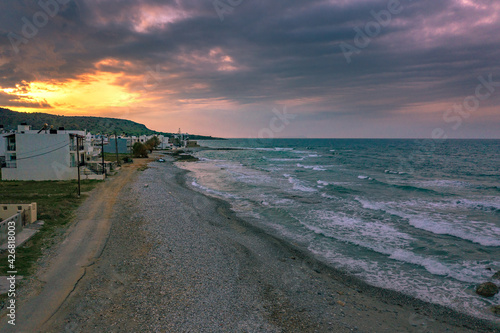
448,315
177,260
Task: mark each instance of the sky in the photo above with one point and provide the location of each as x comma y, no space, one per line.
259,69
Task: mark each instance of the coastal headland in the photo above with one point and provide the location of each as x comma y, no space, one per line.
169,259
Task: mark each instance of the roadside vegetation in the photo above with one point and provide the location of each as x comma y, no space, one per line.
124,158
142,150
56,204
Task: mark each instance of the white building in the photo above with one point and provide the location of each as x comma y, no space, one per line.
43,155
164,142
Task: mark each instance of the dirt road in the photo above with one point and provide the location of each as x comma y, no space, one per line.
83,244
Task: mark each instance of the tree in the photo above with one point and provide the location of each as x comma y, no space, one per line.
139,150
152,143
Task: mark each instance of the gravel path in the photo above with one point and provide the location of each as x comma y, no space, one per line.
177,261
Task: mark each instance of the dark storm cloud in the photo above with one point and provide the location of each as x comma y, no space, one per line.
263,52
13,101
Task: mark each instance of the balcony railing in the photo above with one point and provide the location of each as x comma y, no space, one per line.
74,164
11,147
73,148
11,164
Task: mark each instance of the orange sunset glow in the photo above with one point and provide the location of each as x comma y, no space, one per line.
250,166
184,65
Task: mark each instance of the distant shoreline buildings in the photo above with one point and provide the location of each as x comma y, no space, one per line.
58,154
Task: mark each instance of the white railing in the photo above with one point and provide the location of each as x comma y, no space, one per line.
11,164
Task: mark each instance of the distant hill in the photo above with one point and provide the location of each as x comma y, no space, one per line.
10,119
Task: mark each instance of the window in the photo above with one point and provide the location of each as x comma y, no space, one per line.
4,207
73,162
11,143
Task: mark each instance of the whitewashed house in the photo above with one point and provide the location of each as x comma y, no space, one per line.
164,142
43,155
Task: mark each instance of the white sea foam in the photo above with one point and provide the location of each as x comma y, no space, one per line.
431,265
264,149
299,185
284,202
386,239
391,275
466,271
370,204
484,233
437,183
211,191
313,167
364,177
375,235
485,203
395,172
321,182
425,215
284,159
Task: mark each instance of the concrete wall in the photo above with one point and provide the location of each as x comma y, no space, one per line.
42,157
8,210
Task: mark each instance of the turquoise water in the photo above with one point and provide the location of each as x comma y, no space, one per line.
420,217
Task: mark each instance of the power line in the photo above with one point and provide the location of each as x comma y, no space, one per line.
47,147
25,158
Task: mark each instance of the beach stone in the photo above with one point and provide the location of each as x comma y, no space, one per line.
496,275
496,309
487,289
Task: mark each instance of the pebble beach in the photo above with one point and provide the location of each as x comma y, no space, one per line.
179,261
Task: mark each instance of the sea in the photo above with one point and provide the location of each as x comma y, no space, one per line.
421,217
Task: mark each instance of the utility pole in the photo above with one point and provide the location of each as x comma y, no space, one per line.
78,161
102,154
116,148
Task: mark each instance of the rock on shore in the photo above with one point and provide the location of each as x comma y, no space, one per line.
487,289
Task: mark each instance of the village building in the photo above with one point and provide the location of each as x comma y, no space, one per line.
47,154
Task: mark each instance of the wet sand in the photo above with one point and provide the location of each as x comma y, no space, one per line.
178,261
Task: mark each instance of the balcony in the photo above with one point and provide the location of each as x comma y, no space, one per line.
11,147
11,164
74,164
73,147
